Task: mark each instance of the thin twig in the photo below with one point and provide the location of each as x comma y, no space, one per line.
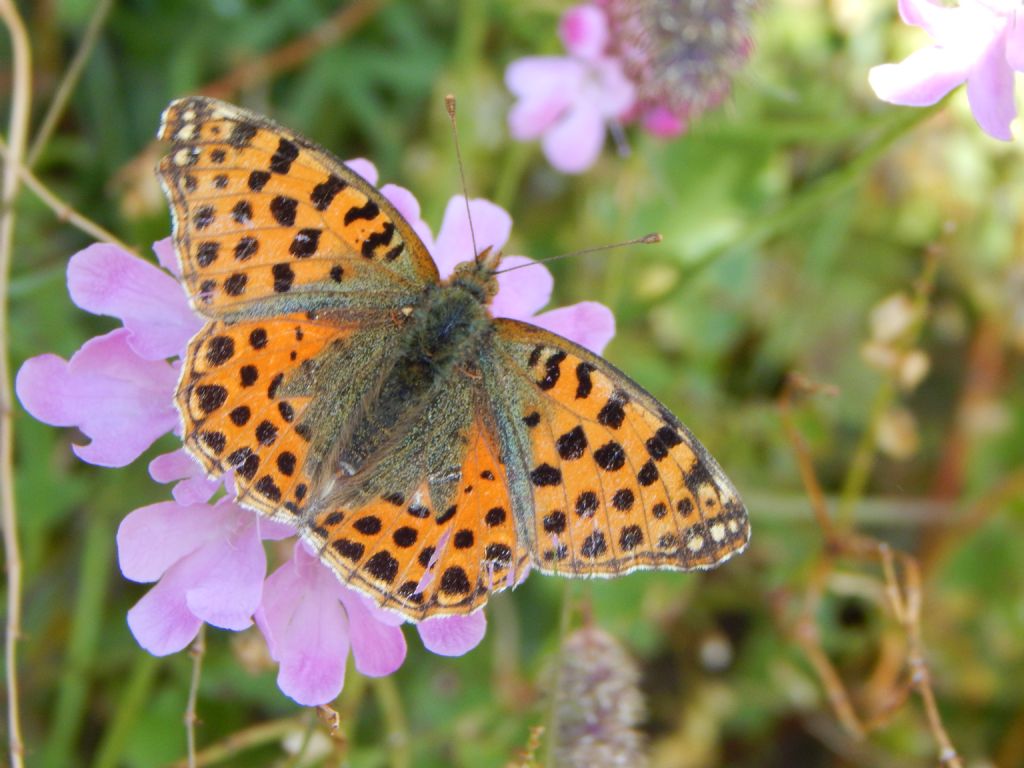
246,739
69,80
63,211
197,651
21,92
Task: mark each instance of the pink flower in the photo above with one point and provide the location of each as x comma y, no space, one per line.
208,560
980,42
568,101
310,621
119,400
661,63
208,563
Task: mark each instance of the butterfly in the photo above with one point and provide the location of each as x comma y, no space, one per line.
428,451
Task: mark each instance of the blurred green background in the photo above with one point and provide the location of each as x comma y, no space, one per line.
789,217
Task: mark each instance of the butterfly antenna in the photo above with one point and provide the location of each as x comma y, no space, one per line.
650,239
449,104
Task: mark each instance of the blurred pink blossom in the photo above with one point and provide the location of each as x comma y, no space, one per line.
569,101
659,63
981,42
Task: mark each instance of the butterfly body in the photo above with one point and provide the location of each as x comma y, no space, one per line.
428,363
428,451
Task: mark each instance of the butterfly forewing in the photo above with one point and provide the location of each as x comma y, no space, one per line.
266,222
616,482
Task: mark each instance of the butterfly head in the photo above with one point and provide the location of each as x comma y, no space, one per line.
477,276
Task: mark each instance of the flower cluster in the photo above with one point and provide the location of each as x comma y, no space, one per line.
206,553
981,42
661,63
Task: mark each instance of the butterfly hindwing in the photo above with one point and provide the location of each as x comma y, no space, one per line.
422,558
616,482
266,222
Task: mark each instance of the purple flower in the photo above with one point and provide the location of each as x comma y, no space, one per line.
980,42
310,621
568,101
661,63
119,400
208,560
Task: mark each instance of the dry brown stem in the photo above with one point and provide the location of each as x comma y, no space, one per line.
901,580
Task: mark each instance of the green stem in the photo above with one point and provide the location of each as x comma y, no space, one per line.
135,695
517,159
75,678
863,457
397,728
242,741
348,704
471,34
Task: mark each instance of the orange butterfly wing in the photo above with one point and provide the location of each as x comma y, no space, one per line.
422,560
267,222
614,481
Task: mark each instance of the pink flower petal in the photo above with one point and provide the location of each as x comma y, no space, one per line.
611,91
938,21
453,635
409,207
574,142
153,538
306,629
378,648
1015,41
271,530
990,92
584,31
166,256
225,577
546,86
921,79
161,622
534,75
383,615
588,323
522,292
491,224
120,401
664,123
194,486
364,168
105,280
